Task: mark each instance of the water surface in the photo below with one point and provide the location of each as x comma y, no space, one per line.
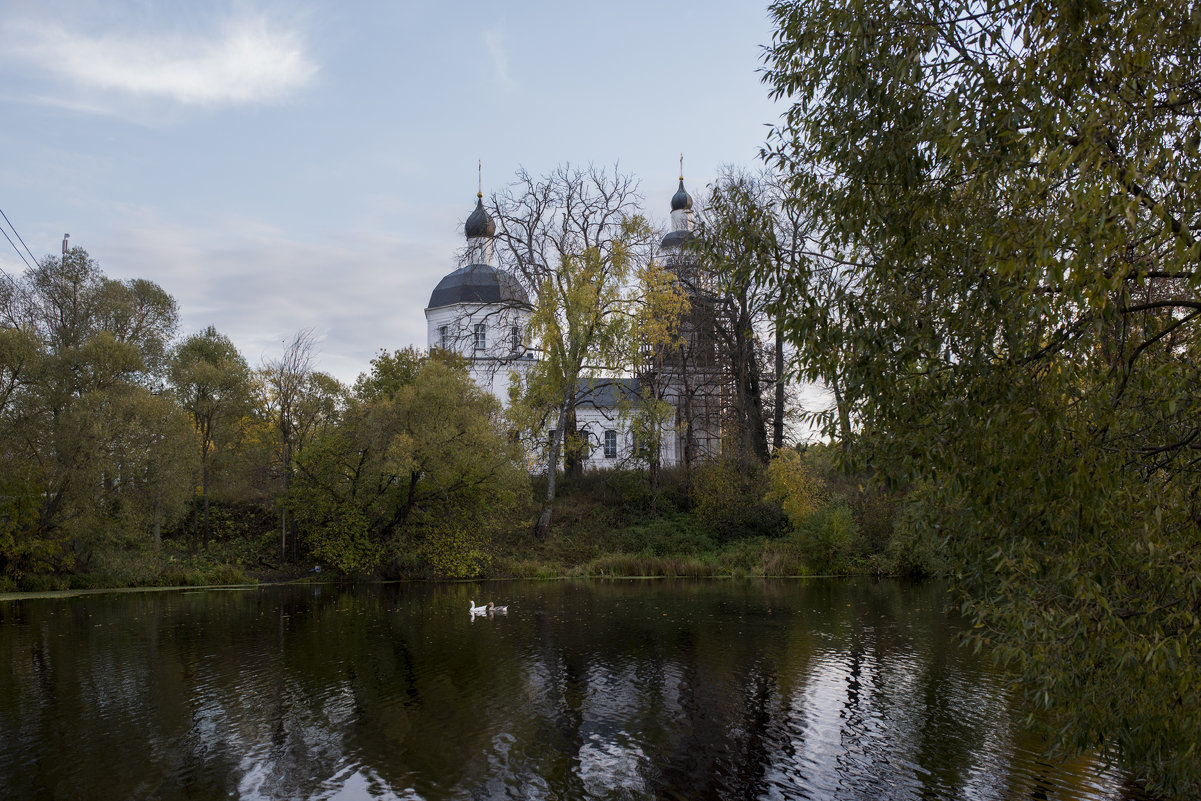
623,690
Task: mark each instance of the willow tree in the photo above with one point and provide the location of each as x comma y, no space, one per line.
418,469
1013,194
86,449
212,382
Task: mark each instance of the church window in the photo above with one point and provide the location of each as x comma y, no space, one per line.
444,338
610,444
481,336
515,338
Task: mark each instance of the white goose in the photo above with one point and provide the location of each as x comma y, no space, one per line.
477,610
493,609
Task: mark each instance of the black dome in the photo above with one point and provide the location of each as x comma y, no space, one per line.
478,283
479,223
675,239
681,200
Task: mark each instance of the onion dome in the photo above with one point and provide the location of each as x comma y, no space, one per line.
673,239
478,283
681,217
681,200
480,224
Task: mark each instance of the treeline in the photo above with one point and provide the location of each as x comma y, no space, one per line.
134,455
114,435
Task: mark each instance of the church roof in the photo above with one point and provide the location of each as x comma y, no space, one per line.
480,223
681,200
606,393
676,238
478,283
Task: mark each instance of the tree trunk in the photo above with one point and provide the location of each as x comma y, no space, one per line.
844,417
777,434
158,517
542,527
204,494
573,453
749,398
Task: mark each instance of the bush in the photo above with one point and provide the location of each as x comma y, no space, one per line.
915,549
793,486
669,536
729,498
828,540
454,550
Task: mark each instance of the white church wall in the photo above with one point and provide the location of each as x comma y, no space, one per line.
459,328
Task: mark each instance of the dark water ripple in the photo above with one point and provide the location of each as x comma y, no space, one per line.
603,690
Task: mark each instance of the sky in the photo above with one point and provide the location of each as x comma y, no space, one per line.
277,166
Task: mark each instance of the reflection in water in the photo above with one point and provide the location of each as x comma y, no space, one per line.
665,690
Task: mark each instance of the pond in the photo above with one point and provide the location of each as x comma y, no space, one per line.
724,689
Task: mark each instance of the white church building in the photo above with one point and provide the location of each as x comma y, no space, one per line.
481,312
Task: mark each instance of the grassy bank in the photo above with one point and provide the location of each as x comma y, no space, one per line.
726,519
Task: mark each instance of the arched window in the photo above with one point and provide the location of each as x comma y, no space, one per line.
481,336
444,337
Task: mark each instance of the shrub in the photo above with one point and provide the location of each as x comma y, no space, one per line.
793,486
828,539
454,549
341,539
729,498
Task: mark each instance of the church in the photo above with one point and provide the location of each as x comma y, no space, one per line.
481,312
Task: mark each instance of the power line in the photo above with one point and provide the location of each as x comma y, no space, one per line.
10,241
22,241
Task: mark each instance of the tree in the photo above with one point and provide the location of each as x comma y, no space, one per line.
737,245
212,382
299,402
1013,194
573,238
577,321
419,463
78,351
660,306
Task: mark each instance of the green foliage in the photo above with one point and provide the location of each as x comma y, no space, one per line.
338,536
89,450
418,467
669,536
391,371
916,548
212,382
1008,200
729,499
792,485
452,549
828,540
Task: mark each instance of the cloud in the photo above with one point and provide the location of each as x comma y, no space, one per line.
494,42
249,60
259,286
